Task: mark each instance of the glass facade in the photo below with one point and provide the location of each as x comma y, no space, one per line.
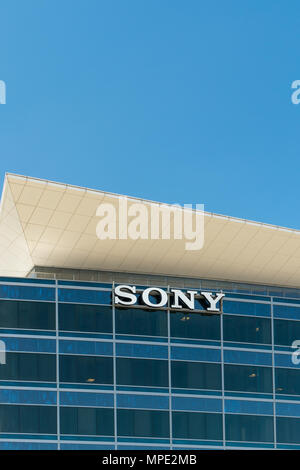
82,373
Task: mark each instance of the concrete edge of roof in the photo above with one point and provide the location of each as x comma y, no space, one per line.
148,201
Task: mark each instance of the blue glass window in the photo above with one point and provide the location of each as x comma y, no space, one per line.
101,348
28,419
88,318
142,372
29,366
87,421
137,321
27,315
196,354
28,396
86,369
27,292
143,423
288,409
248,378
286,331
249,407
196,375
28,344
196,404
142,350
288,430
248,357
87,399
197,425
143,401
84,296
249,428
195,325
27,446
247,329
287,381
285,311
247,308
285,360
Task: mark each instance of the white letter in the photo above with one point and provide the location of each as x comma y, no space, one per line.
138,227
127,295
166,213
2,352
295,354
189,302
189,233
163,297
212,300
2,92
295,99
123,222
106,228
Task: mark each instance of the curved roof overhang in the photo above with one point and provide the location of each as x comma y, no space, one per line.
49,224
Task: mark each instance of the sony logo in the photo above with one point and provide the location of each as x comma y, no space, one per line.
156,297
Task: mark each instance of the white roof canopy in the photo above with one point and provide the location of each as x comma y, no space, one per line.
54,225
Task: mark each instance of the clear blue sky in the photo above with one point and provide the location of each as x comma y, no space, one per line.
175,101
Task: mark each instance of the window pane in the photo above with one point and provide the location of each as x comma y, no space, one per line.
29,366
87,421
197,375
197,425
286,311
249,428
287,381
195,325
26,292
89,318
247,329
247,308
248,378
143,372
27,315
28,419
85,296
286,331
141,322
89,369
288,430
143,423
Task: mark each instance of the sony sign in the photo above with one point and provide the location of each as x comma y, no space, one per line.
127,295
